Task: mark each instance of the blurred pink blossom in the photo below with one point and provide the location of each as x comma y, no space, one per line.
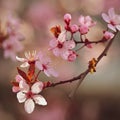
112,19
85,23
108,35
11,48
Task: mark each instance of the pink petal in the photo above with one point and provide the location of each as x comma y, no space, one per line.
56,52
15,89
21,97
40,100
69,44
111,13
29,106
81,20
105,17
37,87
111,27
53,43
39,65
18,78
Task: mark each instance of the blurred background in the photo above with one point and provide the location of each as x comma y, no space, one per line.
98,97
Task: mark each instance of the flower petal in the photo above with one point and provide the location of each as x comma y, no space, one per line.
21,97
29,106
18,78
111,27
111,13
118,27
69,44
24,87
20,59
56,52
105,17
62,36
25,64
37,87
40,100
53,43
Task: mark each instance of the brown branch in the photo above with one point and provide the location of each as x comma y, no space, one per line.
81,76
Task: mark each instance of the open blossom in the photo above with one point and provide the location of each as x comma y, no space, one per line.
29,57
112,19
11,48
85,23
44,64
30,95
61,48
108,35
41,61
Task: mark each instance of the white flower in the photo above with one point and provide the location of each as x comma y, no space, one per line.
30,95
30,57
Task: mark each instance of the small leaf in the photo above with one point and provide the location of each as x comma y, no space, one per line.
23,74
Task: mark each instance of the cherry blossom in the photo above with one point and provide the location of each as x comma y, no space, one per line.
29,57
108,35
30,95
44,64
72,56
112,19
61,48
74,28
85,23
11,48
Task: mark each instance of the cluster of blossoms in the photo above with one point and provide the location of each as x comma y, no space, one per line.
10,39
26,84
64,44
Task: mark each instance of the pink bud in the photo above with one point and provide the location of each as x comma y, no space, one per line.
74,28
108,35
72,56
67,18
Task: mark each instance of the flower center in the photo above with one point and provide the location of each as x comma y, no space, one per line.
29,94
112,23
60,45
44,67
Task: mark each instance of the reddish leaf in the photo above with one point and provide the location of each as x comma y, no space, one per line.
23,74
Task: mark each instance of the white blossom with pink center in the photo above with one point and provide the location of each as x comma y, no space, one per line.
11,48
112,19
61,48
85,23
30,95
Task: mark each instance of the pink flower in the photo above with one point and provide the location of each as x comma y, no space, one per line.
13,27
43,64
11,48
112,19
67,18
60,48
72,56
85,23
74,28
108,35
30,95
